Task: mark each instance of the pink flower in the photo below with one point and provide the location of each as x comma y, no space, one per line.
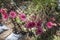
22,16
38,23
39,31
12,14
49,25
5,16
30,24
3,11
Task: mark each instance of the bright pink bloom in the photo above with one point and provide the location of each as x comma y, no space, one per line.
30,24
39,31
5,16
3,11
12,14
49,25
22,16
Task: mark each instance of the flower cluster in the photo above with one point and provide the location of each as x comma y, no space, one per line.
29,24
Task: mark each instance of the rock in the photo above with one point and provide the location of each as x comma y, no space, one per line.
5,34
13,36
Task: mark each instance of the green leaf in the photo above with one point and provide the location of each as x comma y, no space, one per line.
18,20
